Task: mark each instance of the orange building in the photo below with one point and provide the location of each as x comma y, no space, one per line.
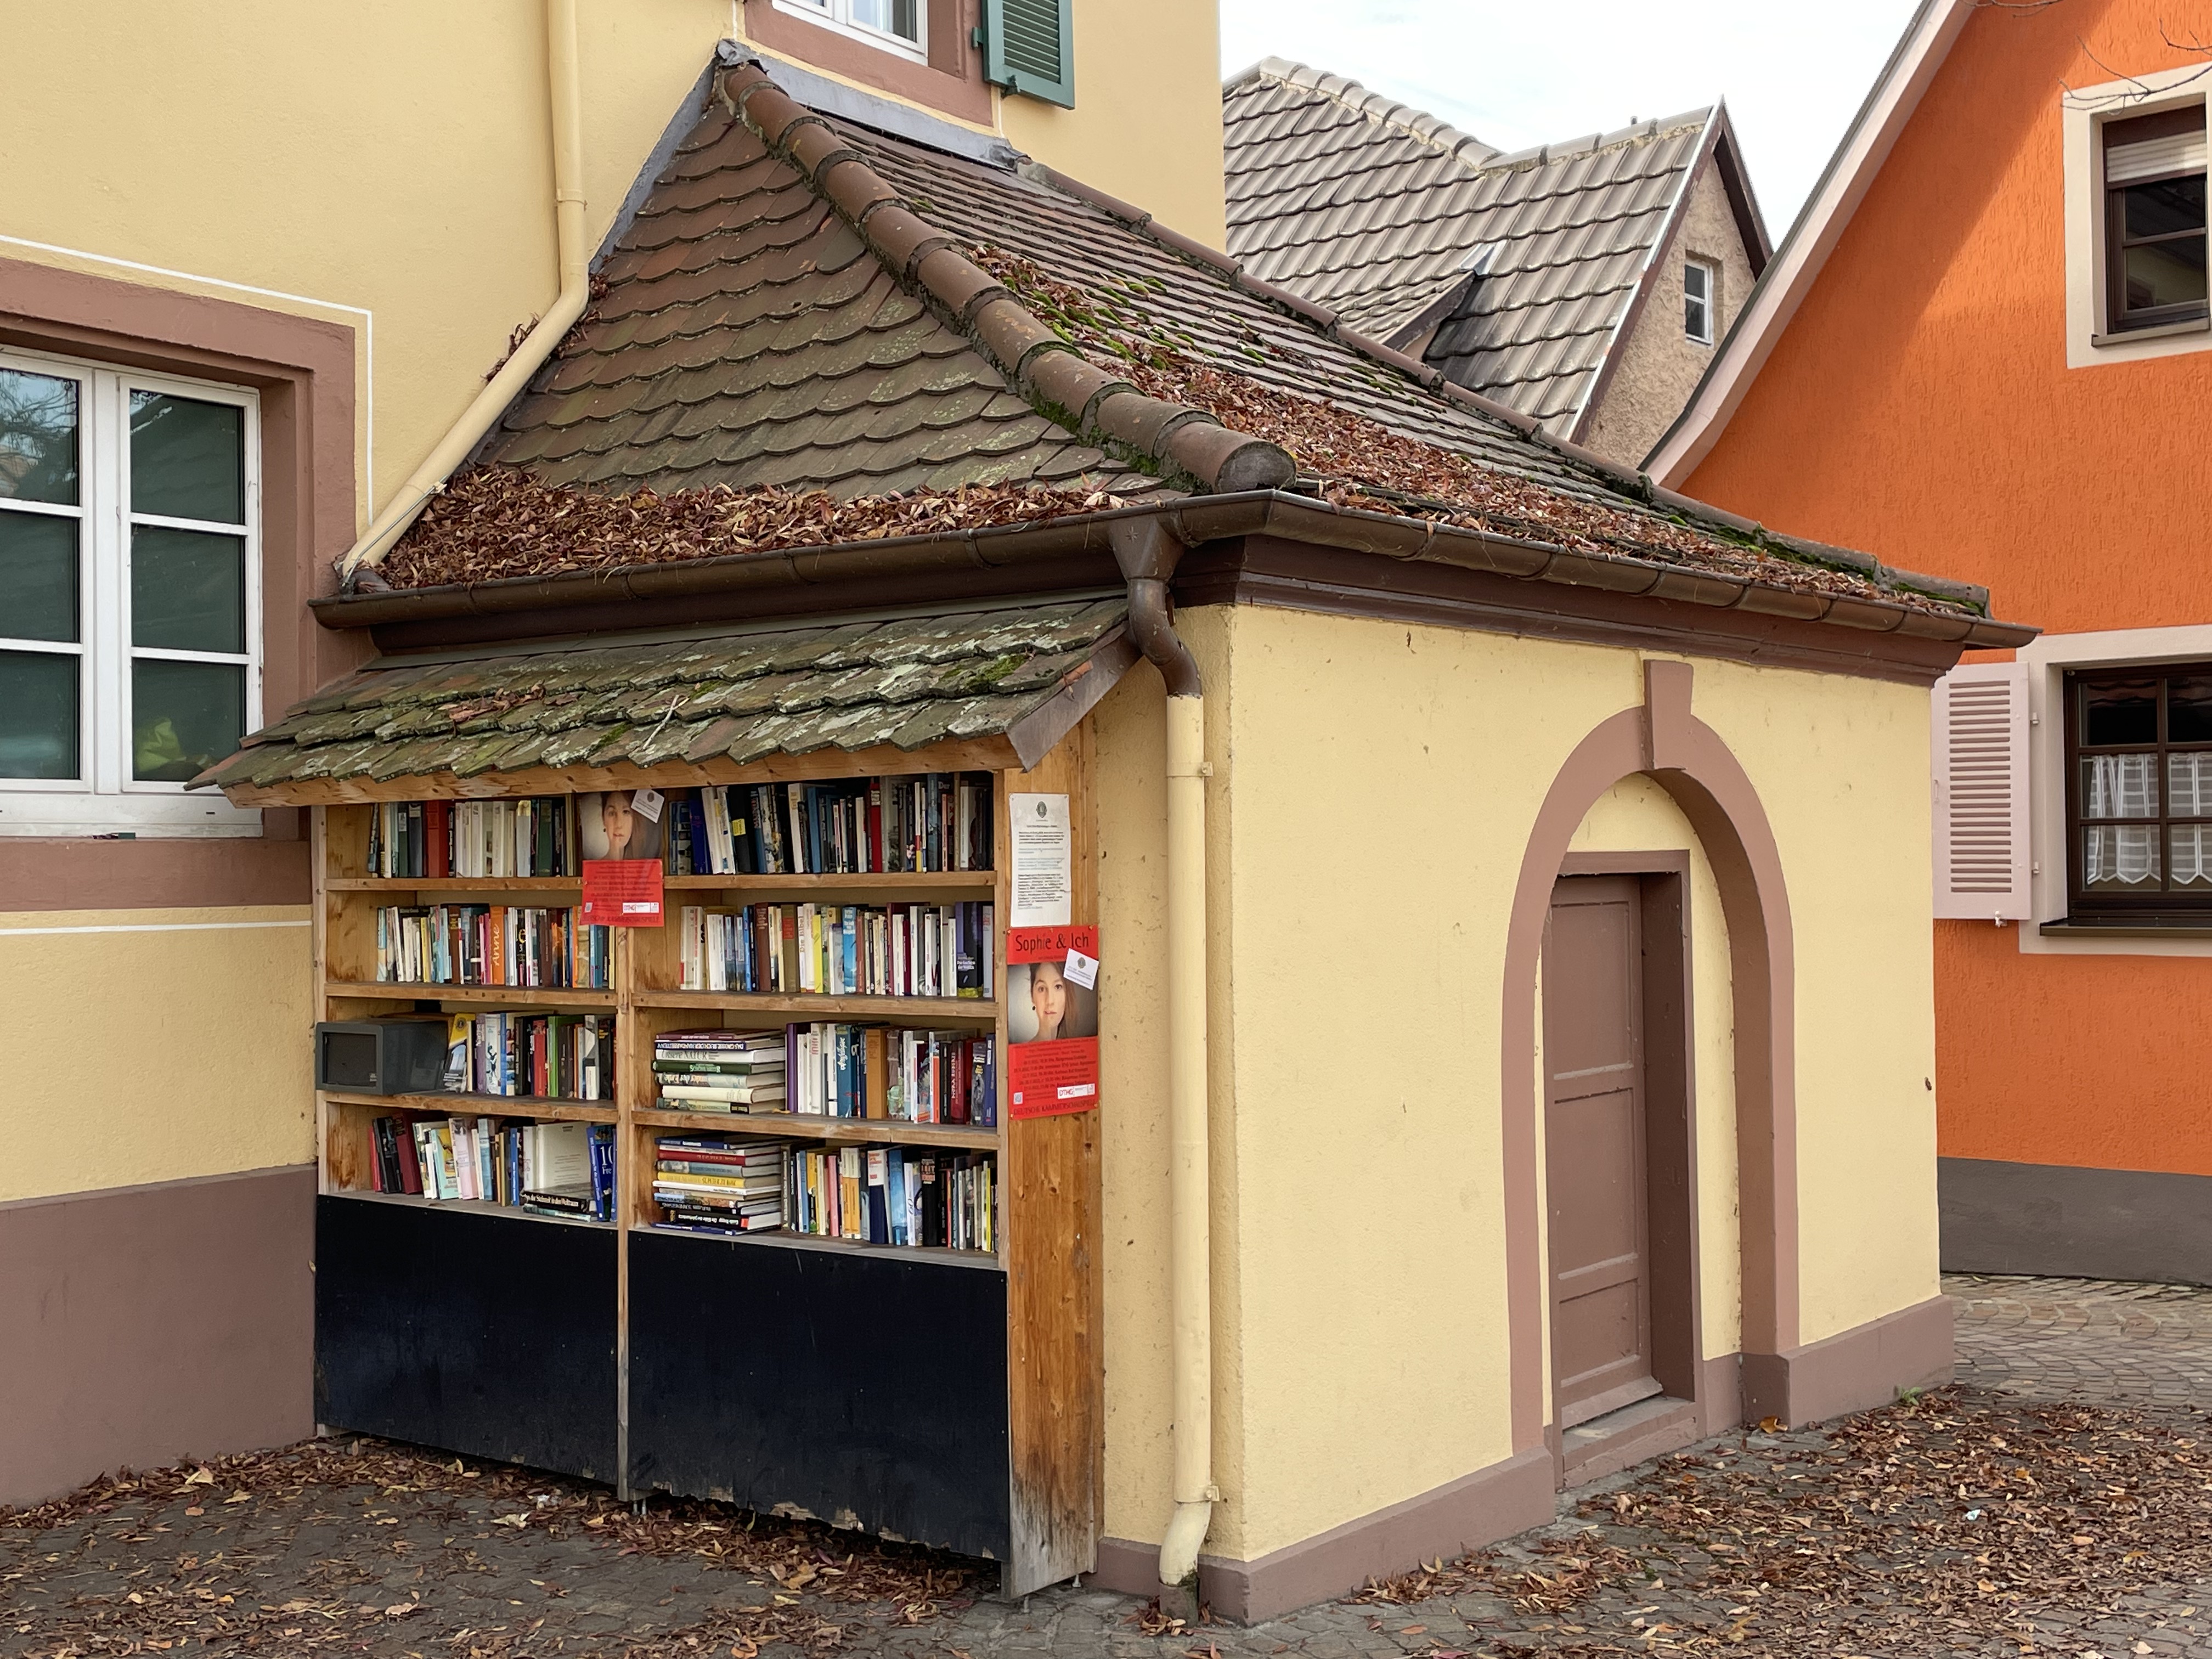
1983,349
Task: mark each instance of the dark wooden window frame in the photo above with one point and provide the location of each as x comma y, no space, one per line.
2118,320
2193,908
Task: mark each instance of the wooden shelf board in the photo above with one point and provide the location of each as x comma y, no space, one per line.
959,881
804,1125
453,884
564,1111
896,1011
987,1259
516,996
471,1206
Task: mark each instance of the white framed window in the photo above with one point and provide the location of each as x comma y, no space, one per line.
129,597
2136,273
897,26
1700,284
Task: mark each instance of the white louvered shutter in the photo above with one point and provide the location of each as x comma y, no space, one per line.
1980,753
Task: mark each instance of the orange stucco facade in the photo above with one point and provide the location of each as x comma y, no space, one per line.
1920,405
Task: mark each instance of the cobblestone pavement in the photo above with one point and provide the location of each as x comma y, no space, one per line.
2084,1339
2058,1503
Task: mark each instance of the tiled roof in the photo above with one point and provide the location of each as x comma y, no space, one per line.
806,301
1388,217
749,336
724,352
741,697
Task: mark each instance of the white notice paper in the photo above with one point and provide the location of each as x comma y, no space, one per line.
1082,970
1043,861
646,803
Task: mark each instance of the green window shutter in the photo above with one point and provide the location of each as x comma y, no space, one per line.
1029,48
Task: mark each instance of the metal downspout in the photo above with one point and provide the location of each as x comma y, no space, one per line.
1147,551
427,480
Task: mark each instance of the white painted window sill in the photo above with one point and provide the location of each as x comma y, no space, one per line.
2163,331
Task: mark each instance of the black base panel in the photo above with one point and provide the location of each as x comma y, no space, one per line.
2038,1219
479,1333
862,1390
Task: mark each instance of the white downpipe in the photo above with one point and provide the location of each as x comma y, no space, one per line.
567,101
1189,1199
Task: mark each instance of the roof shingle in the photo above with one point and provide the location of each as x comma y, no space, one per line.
1398,222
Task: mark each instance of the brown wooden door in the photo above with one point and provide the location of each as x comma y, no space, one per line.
1594,1155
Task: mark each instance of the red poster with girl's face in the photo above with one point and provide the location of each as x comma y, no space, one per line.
1052,1021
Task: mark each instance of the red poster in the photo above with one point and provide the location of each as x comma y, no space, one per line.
1044,1079
1049,944
623,893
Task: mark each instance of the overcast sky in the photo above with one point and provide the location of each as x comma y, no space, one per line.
1521,74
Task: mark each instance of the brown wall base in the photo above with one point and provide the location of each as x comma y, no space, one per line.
149,1323
2001,1218
1855,1369
1471,1511
1867,1366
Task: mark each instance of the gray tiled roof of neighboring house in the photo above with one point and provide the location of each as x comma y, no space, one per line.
1524,264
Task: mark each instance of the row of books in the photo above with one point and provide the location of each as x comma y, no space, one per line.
841,949
529,945
892,1195
833,1069
548,1056
549,1169
895,1195
437,839
927,821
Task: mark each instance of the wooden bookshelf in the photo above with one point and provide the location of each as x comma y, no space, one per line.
811,1004
544,1109
522,998
711,1365
802,1126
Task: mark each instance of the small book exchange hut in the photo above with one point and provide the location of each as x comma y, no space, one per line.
1156,944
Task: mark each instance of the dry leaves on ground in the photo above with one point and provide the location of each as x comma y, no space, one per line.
1908,1529
816,1584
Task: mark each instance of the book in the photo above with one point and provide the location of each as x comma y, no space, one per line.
847,950
533,836
526,945
923,821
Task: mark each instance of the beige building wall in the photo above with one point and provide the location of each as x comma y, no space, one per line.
1147,124
384,167
180,1052
1374,789
1659,365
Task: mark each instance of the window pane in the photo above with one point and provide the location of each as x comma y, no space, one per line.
2166,273
2124,713
2119,786
2115,860
37,577
38,437
2189,785
187,590
892,16
2169,205
2188,709
187,458
184,716
38,714
2192,856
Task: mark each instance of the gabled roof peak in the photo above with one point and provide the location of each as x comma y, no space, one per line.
1385,111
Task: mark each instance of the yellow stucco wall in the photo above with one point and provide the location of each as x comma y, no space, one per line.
388,167
1147,124
392,159
157,1045
1373,792
1844,780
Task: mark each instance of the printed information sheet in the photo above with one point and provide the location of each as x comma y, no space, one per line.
1044,868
